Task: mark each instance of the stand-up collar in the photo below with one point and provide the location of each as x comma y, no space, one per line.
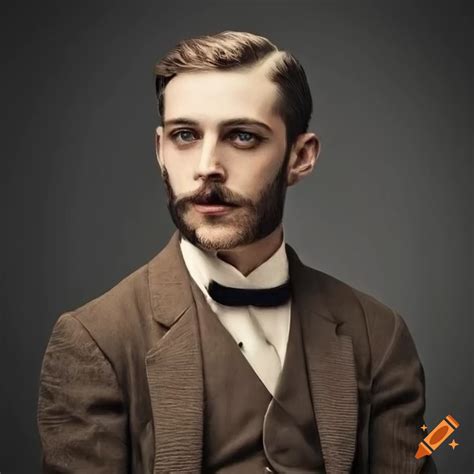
206,265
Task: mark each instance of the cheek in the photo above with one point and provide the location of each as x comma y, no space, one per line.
254,174
180,171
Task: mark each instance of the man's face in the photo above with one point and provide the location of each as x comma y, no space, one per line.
226,182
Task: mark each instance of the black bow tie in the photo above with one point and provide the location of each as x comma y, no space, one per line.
256,297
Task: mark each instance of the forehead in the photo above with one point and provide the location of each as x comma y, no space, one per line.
214,96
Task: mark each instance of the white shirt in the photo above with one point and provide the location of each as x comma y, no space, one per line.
270,325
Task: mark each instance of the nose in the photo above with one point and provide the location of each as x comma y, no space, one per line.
209,165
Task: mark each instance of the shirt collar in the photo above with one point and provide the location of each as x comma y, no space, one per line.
205,265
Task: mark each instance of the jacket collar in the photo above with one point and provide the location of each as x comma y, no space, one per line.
169,278
175,372
168,281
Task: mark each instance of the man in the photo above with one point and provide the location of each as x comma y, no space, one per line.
225,353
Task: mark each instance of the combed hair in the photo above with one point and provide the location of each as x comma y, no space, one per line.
236,49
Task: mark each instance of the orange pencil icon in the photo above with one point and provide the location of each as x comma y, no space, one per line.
436,437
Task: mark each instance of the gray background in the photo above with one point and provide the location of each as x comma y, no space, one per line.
387,209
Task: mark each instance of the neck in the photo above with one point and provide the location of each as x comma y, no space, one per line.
248,257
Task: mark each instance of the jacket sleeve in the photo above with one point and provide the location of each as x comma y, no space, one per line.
398,405
81,414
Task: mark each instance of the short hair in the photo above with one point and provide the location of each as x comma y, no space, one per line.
236,49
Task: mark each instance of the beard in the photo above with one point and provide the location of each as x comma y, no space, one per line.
246,222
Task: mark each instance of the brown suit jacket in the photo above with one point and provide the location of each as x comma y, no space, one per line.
121,385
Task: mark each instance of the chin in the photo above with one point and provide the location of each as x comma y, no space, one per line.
219,237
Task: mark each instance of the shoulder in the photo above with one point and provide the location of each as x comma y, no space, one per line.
130,296
374,326
340,302
346,302
119,318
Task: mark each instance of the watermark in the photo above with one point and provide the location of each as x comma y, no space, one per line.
437,436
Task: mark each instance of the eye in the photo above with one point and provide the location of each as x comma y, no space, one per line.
247,139
183,136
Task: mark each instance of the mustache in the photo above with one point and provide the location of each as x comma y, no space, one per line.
216,194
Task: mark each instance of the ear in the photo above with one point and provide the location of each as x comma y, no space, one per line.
303,157
158,146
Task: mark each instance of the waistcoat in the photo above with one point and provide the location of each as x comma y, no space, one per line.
245,428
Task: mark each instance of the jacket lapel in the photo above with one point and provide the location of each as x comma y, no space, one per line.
174,366
175,373
331,368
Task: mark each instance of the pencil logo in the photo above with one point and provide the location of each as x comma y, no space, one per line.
437,436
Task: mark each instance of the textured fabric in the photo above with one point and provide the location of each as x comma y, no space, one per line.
244,425
261,332
290,434
115,367
235,400
93,413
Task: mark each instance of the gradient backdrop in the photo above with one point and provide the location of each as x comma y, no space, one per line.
388,208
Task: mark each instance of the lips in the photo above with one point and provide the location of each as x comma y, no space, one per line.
213,208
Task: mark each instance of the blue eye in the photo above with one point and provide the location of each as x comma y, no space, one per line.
239,138
245,138
183,135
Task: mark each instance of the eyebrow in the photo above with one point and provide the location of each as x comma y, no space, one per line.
225,123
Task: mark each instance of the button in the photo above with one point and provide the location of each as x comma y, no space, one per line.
268,470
